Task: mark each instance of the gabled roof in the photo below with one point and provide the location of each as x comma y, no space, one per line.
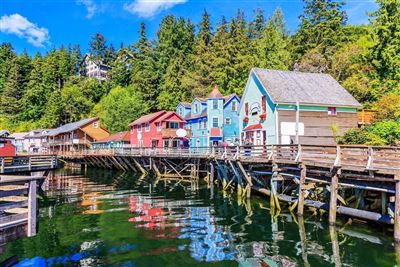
185,104
148,117
253,127
4,133
20,135
69,127
167,115
203,114
305,88
121,136
215,93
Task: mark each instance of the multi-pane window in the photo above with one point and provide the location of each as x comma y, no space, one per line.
139,128
234,105
172,125
158,124
215,122
96,124
215,104
227,121
204,123
196,108
147,126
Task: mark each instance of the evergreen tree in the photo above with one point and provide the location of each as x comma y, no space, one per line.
12,92
25,66
257,26
386,52
198,80
144,69
7,54
98,47
321,26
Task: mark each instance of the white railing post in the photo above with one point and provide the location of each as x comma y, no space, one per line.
298,156
370,158
338,160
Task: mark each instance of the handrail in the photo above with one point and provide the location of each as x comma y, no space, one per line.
360,157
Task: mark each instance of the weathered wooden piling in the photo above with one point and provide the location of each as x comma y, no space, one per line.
302,180
397,210
333,196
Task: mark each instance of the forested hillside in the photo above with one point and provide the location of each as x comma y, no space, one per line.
186,60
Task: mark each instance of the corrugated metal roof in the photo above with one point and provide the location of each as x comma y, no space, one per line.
203,114
305,88
148,117
69,127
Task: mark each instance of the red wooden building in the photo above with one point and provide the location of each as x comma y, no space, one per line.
7,149
158,129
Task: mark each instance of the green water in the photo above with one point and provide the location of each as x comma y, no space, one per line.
104,218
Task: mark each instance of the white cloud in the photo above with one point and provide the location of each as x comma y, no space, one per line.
23,28
149,8
91,7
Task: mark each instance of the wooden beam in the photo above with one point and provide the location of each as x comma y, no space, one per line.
32,206
397,210
333,196
300,204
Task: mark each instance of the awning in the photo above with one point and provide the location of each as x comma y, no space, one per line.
253,127
215,138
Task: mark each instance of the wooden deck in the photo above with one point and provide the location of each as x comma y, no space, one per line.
27,163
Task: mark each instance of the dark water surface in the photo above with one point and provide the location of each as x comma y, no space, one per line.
104,218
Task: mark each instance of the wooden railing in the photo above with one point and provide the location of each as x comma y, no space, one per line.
362,158
18,202
27,163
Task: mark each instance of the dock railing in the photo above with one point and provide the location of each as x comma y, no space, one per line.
362,158
18,202
27,163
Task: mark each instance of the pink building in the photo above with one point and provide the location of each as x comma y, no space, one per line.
158,129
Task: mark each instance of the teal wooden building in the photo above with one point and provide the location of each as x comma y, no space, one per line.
212,120
288,107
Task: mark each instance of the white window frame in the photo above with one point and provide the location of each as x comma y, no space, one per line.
199,124
95,124
159,127
196,108
332,111
234,105
139,128
215,101
212,122
228,121
147,127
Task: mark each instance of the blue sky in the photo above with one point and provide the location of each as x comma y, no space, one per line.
39,25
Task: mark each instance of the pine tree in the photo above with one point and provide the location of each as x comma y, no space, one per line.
321,26
273,47
198,80
7,54
144,69
12,92
98,47
386,52
25,66
257,26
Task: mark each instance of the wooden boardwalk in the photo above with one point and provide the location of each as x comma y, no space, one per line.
355,181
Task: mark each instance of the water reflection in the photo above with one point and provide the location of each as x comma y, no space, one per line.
91,217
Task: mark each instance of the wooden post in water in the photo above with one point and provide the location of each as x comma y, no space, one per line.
32,208
397,210
333,197
300,204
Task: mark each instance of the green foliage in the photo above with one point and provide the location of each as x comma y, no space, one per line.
360,136
389,108
120,107
389,131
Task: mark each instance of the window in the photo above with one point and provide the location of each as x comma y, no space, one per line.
215,103
147,126
264,104
234,105
332,111
246,109
172,125
199,124
181,112
139,128
196,108
96,124
228,121
215,122
204,123
158,125
166,143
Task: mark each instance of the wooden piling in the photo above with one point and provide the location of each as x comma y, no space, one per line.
300,203
397,210
333,196
32,206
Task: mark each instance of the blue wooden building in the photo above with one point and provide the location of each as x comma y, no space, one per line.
211,120
289,107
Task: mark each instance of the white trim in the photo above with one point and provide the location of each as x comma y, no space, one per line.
212,122
147,126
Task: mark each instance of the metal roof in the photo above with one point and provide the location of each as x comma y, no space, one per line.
305,88
165,117
121,136
148,117
69,127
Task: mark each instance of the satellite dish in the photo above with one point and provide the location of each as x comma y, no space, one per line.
181,132
139,136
